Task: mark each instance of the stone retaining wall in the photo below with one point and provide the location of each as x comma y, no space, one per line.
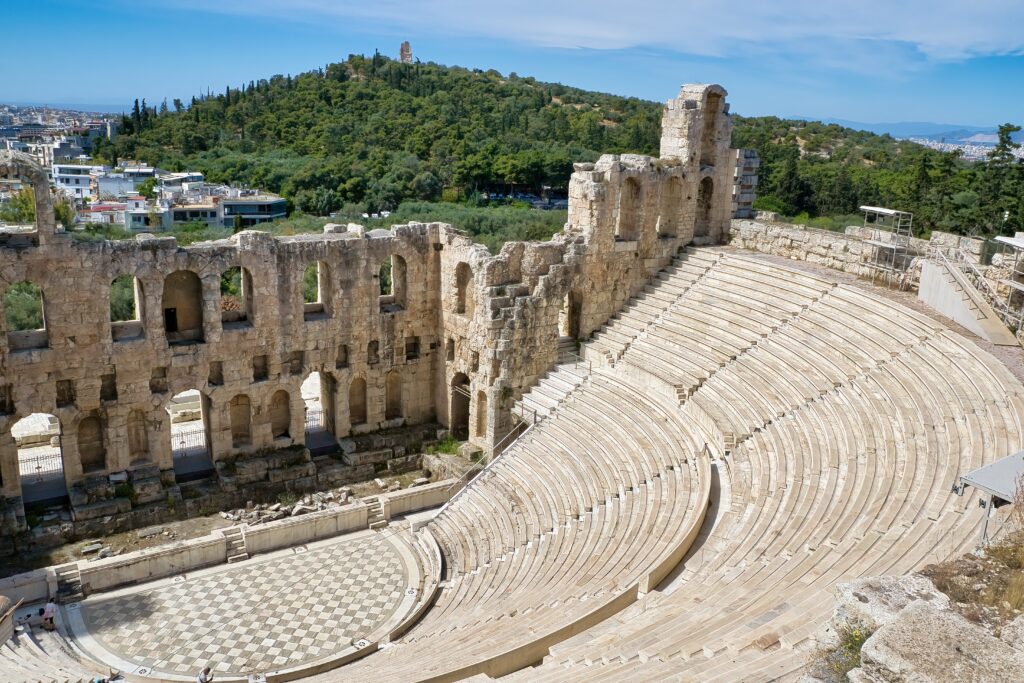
184,556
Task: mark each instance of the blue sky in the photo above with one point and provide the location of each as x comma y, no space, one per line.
948,61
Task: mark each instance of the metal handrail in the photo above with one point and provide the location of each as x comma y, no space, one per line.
469,475
978,280
577,360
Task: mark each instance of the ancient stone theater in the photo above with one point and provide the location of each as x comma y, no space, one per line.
681,447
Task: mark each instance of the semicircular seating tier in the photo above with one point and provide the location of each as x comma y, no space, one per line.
31,656
605,545
582,512
843,419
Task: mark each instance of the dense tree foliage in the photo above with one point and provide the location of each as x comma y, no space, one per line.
23,307
375,132
122,298
22,209
826,170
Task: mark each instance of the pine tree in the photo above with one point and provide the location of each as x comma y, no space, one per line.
790,188
136,117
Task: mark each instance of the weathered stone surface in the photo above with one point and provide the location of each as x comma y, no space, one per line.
461,334
926,643
1013,633
877,600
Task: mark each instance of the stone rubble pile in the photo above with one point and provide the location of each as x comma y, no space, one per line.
258,513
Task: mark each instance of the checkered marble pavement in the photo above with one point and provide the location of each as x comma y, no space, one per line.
255,616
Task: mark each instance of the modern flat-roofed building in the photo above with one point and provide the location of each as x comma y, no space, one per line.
251,207
74,179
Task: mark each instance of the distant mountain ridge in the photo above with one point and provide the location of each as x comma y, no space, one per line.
949,132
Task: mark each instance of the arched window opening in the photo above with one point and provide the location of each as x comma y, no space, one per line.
318,396
91,451
236,303
459,422
392,276
126,308
357,402
705,192
40,460
240,412
189,413
183,307
315,288
464,290
25,317
628,228
280,415
393,395
481,415
671,208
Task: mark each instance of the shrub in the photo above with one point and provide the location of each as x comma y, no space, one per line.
126,490
835,663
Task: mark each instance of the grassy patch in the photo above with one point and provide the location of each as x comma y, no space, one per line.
449,446
834,663
287,499
987,588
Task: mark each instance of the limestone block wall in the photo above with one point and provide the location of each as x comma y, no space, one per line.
84,372
826,248
462,334
843,251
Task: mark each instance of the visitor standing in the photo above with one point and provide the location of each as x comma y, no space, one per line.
48,612
205,676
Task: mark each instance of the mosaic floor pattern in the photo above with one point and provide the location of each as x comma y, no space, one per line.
258,615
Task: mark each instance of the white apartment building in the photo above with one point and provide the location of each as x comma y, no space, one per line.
74,180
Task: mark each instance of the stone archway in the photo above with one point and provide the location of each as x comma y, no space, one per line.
183,307
458,424
37,438
18,165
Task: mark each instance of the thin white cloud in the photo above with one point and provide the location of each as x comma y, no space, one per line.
932,29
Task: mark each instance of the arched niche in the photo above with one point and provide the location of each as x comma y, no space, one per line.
183,307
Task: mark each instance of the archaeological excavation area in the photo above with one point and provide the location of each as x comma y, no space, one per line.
684,445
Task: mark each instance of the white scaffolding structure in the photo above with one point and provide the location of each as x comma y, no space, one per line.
1013,249
890,232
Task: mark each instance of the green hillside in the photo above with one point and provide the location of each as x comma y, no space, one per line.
370,133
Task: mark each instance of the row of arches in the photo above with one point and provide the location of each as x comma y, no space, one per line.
672,209
182,302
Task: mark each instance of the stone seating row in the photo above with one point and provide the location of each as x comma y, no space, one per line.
569,521
544,398
600,467
651,302
40,656
849,477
